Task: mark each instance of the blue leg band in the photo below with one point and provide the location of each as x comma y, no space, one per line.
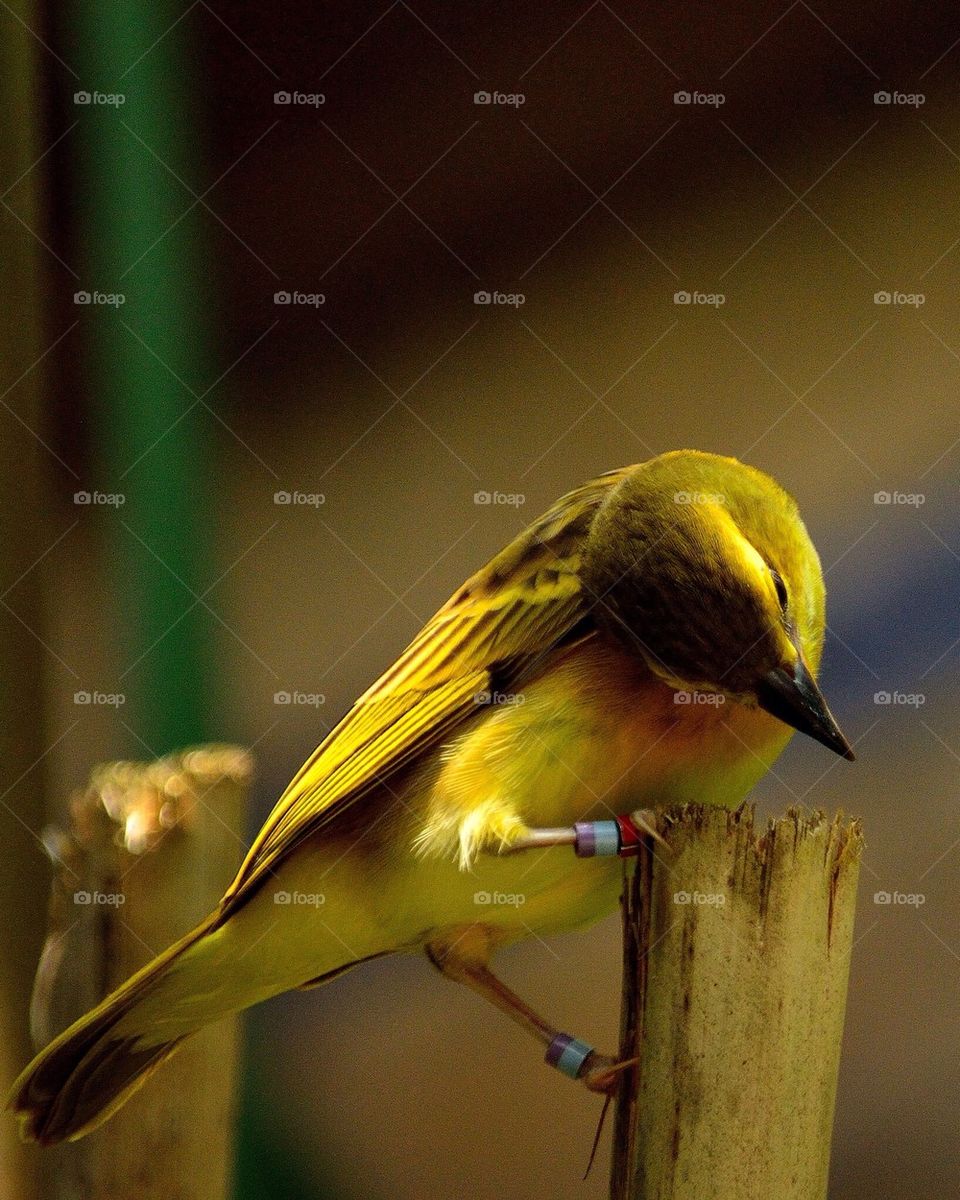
597,839
567,1054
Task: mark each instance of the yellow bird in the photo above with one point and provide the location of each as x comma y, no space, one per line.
559,684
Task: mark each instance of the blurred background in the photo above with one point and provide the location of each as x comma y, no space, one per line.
417,269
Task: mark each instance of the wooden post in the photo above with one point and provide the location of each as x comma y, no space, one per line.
736,956
150,850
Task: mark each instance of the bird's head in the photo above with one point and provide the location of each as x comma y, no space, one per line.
703,566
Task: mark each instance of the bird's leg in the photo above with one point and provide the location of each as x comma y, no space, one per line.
462,956
620,836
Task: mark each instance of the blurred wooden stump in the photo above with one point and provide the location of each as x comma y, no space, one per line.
150,850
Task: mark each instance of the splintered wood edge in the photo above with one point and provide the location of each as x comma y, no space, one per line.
844,835
841,838
142,801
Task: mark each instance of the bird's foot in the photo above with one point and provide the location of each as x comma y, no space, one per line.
578,1060
601,1073
645,819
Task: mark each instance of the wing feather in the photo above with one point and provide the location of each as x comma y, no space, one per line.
492,632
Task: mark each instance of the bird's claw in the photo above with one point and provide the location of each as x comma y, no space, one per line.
645,820
601,1073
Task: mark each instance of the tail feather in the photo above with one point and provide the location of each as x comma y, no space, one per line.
86,1073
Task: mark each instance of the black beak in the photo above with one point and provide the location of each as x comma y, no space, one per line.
791,695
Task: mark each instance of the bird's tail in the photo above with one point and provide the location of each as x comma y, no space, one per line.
95,1065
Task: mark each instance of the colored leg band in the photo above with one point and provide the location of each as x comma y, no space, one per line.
607,839
567,1054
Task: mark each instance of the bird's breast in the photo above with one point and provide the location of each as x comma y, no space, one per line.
596,733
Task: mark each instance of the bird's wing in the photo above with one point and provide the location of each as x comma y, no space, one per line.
493,631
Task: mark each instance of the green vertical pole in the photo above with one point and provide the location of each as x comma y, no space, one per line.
147,355
149,361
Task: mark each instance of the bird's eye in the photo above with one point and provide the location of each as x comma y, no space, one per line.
781,589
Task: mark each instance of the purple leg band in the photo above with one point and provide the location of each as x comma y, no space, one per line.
567,1054
585,844
596,839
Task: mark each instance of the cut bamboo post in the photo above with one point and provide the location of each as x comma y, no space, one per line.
736,957
150,850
